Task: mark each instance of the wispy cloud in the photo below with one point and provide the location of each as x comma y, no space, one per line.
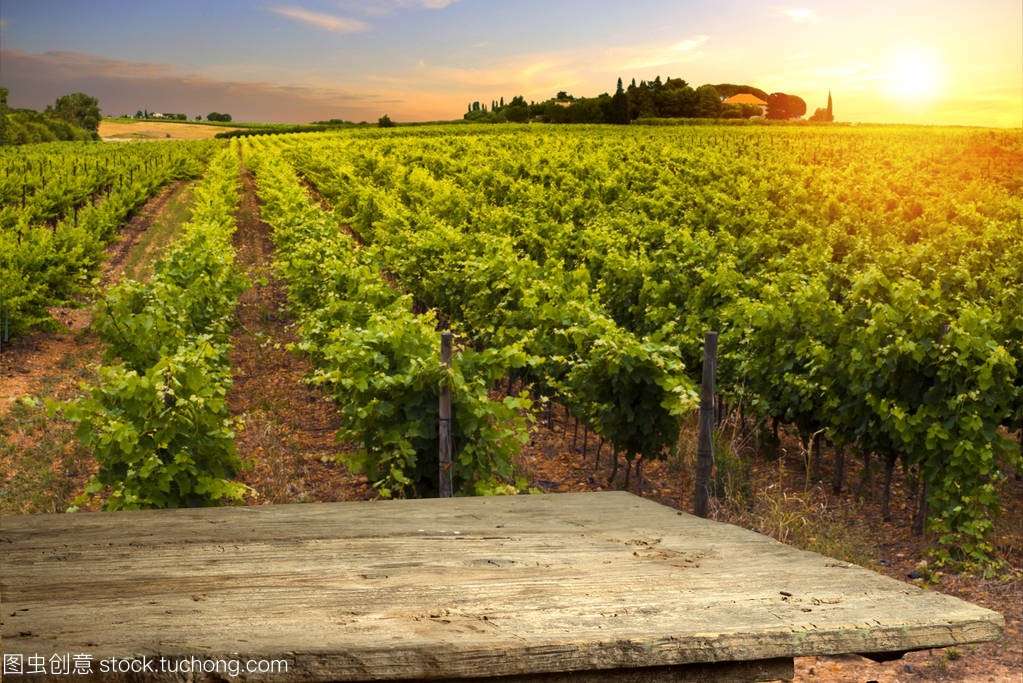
378,8
650,56
327,22
801,15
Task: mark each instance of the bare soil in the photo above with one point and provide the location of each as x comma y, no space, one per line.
289,432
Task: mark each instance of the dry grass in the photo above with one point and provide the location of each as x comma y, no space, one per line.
155,130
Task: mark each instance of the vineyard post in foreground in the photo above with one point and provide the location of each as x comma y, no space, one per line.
705,446
445,487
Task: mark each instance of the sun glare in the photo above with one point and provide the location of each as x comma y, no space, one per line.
914,74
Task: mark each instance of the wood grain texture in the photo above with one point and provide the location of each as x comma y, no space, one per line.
463,587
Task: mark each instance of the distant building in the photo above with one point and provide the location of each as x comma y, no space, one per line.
748,100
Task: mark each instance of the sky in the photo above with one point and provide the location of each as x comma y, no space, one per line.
898,61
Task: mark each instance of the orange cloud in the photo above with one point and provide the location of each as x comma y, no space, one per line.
327,22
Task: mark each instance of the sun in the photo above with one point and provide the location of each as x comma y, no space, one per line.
914,74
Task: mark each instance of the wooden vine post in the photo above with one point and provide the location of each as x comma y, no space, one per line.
705,446
445,486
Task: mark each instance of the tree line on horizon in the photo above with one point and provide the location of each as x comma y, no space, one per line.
669,98
74,116
146,115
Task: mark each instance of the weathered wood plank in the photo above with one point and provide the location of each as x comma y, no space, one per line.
755,671
450,588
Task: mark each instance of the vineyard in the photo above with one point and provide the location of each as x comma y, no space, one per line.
865,283
60,205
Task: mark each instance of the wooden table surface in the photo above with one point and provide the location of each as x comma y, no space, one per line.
450,588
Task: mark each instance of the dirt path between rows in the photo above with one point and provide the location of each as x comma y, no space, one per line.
42,466
132,232
25,364
289,435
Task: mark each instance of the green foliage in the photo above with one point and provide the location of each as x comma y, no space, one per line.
619,111
865,282
73,121
632,388
163,437
157,420
22,127
380,360
631,391
386,377
75,198
78,109
781,106
708,102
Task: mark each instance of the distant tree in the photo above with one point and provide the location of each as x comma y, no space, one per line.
22,126
675,99
385,122
78,109
730,111
781,106
619,110
198,117
797,107
517,110
641,101
563,96
708,102
217,116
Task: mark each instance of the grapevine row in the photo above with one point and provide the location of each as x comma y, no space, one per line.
379,359
157,418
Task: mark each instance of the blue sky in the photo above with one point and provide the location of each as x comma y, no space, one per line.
902,60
